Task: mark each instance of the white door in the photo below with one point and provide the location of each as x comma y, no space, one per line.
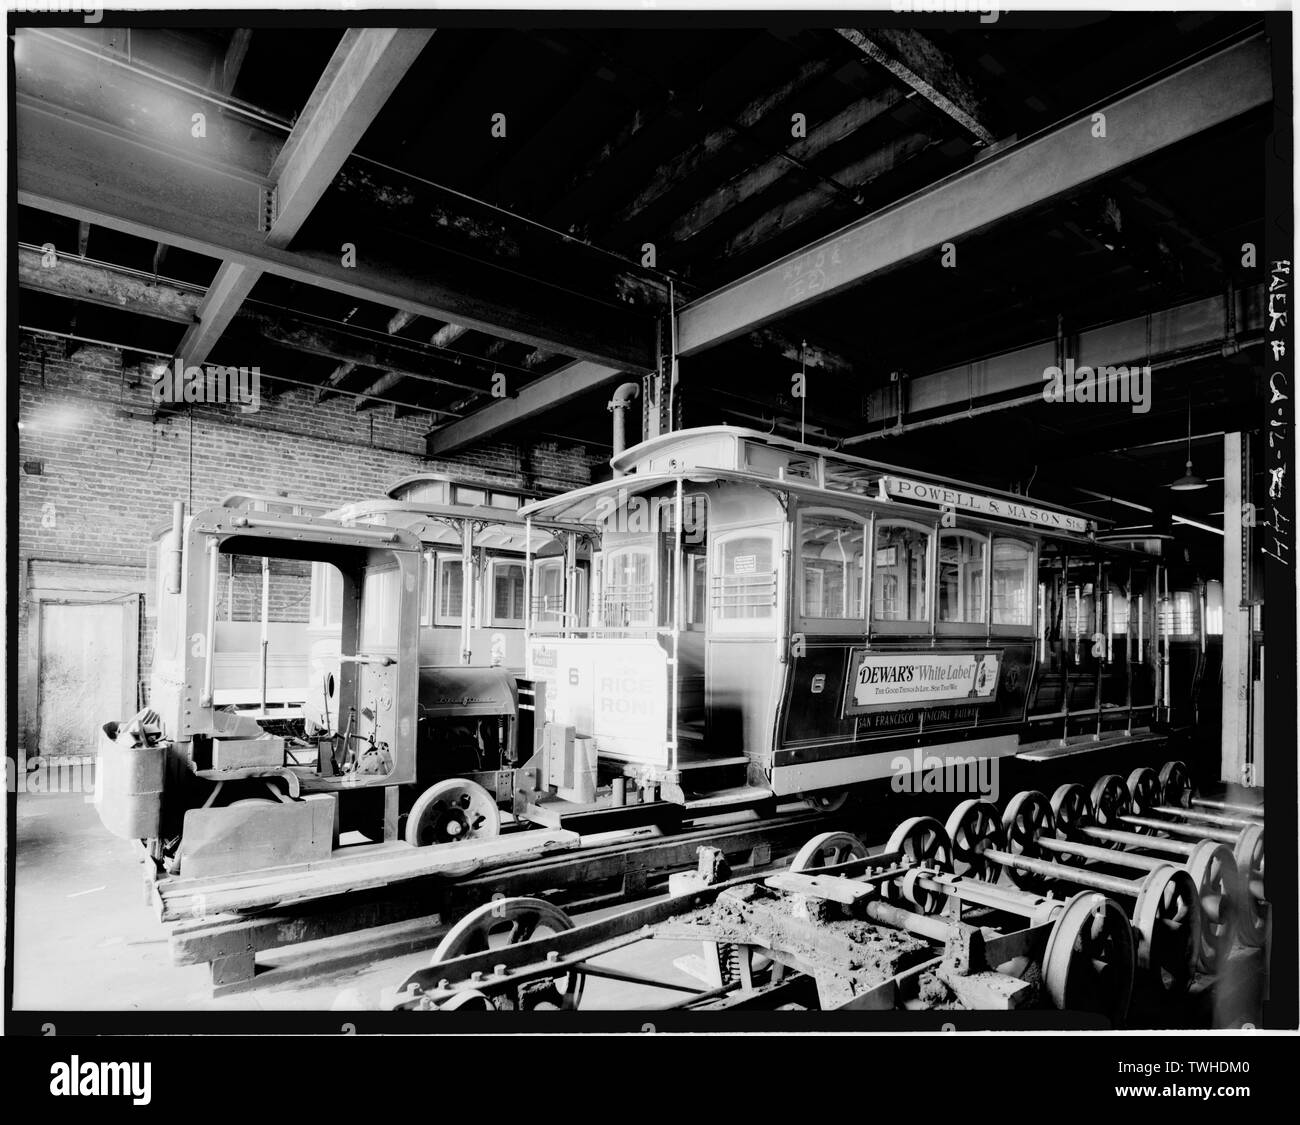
86,672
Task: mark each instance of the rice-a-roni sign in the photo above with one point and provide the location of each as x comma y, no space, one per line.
878,680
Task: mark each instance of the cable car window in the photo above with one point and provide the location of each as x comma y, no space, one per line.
744,580
697,574
961,578
548,591
507,592
451,590
1012,582
470,495
504,500
1214,608
326,595
379,598
902,567
627,598
832,565
428,563
1178,614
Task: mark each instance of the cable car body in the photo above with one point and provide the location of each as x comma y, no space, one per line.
767,615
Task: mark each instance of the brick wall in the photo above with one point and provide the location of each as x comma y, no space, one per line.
108,477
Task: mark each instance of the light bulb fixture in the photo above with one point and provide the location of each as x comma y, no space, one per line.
1189,481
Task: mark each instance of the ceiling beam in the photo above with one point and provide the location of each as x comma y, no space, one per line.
920,64
127,291
691,159
70,167
381,386
447,335
536,398
399,320
1187,102
364,70
894,155
232,62
103,285
366,66
328,389
760,177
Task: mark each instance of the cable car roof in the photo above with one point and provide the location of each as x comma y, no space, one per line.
740,449
758,455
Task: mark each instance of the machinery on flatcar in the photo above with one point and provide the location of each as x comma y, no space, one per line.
395,710
260,650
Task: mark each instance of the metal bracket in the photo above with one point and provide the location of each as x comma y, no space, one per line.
269,209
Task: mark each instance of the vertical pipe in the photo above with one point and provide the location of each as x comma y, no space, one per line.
1065,655
266,617
1168,629
1128,647
528,587
569,612
870,567
466,588
1042,622
677,614
1235,756
210,626
177,547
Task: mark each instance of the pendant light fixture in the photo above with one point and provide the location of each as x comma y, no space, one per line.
1189,481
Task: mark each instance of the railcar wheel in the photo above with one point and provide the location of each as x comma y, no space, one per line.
973,827
466,1000
1214,871
1144,791
450,811
1175,784
1249,855
827,801
1089,959
828,850
924,841
510,921
1069,816
1028,815
1168,921
1108,801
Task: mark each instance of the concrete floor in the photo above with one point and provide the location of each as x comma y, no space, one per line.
85,940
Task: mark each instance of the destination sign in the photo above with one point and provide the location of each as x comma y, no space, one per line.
904,488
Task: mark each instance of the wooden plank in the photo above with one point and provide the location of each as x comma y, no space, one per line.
451,860
198,942
336,954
